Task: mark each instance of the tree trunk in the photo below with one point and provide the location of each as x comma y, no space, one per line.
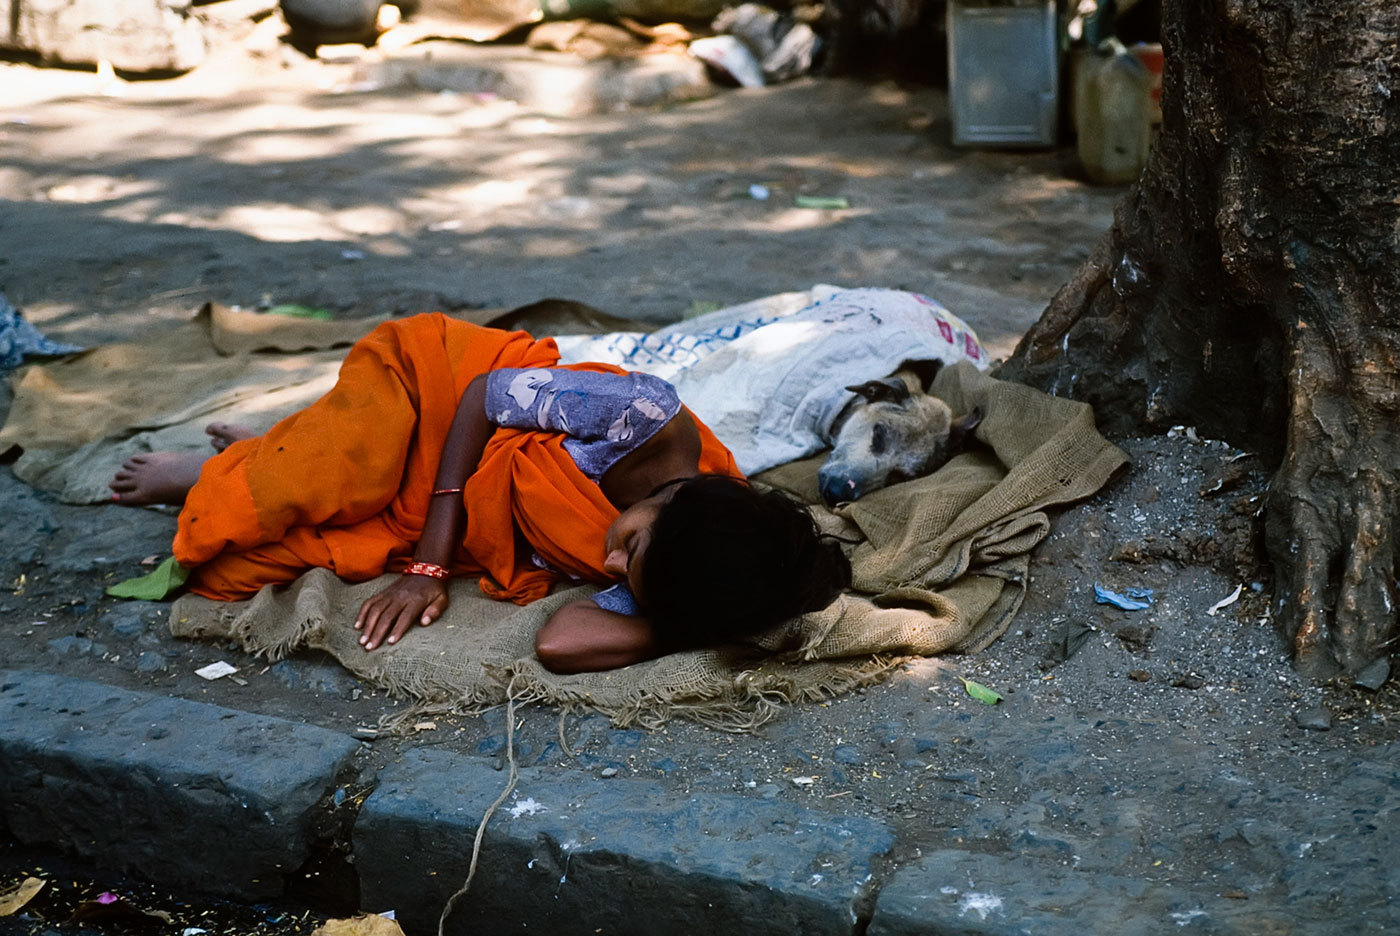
1250,286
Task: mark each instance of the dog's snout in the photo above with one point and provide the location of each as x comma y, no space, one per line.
836,488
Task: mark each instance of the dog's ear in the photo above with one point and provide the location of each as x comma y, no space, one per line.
963,426
891,389
924,370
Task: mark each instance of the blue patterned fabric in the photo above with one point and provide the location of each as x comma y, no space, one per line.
605,416
618,599
19,339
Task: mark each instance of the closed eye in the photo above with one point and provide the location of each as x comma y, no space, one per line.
879,440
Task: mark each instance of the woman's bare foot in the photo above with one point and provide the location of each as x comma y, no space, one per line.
166,477
156,478
222,435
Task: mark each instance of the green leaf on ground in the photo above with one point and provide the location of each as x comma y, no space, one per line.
163,580
817,201
300,311
980,692
701,307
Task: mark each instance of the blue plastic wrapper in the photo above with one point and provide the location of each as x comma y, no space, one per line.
1131,599
19,339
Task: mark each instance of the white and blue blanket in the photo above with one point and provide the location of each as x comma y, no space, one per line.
770,376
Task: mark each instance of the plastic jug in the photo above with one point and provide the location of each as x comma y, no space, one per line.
1113,114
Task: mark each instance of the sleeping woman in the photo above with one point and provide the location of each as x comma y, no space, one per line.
447,448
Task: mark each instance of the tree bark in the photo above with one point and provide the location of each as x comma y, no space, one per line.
1250,286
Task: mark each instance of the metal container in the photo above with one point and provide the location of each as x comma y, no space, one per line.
1003,72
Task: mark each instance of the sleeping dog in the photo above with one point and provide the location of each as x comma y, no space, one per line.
892,431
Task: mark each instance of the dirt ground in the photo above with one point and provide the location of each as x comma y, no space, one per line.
261,182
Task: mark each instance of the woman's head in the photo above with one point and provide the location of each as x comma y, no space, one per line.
712,560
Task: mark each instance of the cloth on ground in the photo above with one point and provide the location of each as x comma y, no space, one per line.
770,376
19,339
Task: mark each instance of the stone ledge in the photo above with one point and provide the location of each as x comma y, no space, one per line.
974,894
184,793
572,853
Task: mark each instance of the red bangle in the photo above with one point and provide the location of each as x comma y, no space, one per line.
432,570
446,491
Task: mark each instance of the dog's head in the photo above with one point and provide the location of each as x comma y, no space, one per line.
893,431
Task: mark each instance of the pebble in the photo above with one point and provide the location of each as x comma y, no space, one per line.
1375,675
1314,719
847,754
607,773
150,661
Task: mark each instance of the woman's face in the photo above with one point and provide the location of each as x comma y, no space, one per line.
627,540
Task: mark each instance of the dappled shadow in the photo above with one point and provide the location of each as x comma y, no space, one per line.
373,202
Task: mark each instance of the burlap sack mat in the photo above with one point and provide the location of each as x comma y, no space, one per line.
942,563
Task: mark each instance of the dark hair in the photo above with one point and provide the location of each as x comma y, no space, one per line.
726,561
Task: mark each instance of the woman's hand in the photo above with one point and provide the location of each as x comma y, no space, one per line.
411,599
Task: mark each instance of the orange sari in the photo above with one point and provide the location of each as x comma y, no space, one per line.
344,484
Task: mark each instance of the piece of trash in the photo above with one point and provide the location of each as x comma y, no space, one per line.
1225,602
352,255
451,224
367,732
1068,640
366,924
425,726
759,192
980,692
804,781
150,560
216,670
821,202
234,679
730,56
193,931
1130,599
296,310
19,339
14,899
163,580
107,907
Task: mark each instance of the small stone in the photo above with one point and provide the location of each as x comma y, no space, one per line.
151,661
127,620
1135,637
1189,681
1139,675
607,773
847,754
1314,719
1375,675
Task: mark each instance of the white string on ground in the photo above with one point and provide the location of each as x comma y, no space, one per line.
481,829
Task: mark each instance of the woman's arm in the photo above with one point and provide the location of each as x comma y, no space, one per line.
583,638
421,598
